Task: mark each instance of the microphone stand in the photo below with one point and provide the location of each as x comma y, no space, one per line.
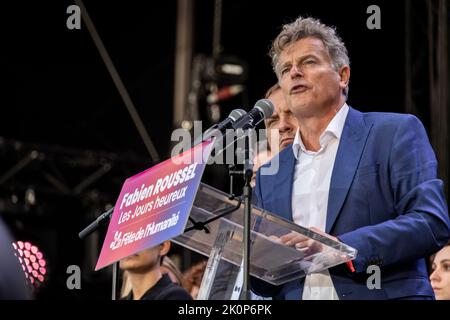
94,225
103,218
247,194
247,174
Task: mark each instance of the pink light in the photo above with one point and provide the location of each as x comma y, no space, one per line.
32,262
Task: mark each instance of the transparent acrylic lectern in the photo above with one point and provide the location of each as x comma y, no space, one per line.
270,260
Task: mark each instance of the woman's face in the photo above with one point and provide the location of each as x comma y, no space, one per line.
440,278
141,262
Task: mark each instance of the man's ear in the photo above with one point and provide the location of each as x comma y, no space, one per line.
164,248
344,74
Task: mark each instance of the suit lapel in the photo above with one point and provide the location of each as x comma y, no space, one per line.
282,184
351,146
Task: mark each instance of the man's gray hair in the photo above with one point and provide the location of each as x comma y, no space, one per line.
310,27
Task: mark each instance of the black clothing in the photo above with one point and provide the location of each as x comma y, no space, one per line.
164,289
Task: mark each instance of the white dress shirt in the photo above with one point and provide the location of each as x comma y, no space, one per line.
310,192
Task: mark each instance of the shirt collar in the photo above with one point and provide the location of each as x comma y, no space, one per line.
333,130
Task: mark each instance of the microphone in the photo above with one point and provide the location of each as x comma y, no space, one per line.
263,109
96,223
224,93
220,128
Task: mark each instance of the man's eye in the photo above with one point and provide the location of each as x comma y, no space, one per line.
309,61
271,123
446,267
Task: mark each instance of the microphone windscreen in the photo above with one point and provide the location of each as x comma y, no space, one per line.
236,114
266,107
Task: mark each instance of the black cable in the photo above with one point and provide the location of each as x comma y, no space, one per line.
220,214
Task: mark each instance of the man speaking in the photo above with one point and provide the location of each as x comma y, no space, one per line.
366,179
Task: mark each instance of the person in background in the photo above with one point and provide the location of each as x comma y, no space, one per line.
282,126
193,278
280,130
169,267
440,275
125,289
146,278
262,156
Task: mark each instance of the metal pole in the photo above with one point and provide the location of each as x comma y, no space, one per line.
217,29
248,172
409,103
118,82
19,166
114,281
183,56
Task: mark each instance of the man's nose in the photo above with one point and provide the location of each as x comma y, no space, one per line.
295,71
285,125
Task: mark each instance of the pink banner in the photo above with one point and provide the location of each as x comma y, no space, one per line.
154,205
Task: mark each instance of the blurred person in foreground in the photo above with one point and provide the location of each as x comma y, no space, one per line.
12,278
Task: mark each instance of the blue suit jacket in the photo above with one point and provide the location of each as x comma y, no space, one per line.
384,200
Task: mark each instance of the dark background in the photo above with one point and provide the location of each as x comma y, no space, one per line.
57,98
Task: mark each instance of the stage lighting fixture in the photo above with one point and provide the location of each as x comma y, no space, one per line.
225,70
32,261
